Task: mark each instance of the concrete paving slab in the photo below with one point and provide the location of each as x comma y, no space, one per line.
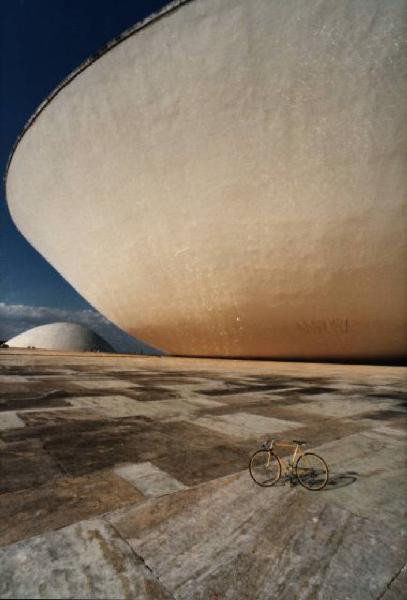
369,473
43,416
10,420
117,406
205,402
374,498
111,406
62,502
122,406
103,384
64,374
246,425
370,451
23,401
391,431
246,399
26,465
149,479
253,395
396,589
218,538
335,405
86,560
13,379
232,539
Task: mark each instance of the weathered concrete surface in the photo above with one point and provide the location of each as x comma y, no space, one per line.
243,425
86,560
149,479
60,502
161,456
396,588
236,172
232,541
9,420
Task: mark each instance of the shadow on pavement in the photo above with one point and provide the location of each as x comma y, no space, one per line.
336,481
340,480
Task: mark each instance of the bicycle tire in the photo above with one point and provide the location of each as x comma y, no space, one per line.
260,470
315,476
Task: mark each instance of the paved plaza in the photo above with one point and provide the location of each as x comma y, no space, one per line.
126,477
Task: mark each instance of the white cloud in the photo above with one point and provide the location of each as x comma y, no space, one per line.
41,313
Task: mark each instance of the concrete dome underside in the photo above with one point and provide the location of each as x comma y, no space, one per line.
61,336
229,180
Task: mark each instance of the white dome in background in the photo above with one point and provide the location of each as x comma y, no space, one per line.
61,336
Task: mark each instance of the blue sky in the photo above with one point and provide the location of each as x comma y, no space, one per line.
41,42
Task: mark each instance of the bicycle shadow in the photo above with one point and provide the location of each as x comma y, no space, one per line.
340,480
335,481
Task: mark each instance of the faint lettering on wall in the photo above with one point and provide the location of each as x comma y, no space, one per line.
320,326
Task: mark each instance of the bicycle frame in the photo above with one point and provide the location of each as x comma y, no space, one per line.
295,455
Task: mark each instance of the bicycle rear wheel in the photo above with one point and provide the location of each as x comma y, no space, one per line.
312,471
265,468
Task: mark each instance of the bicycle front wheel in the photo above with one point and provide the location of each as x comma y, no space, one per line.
312,471
265,468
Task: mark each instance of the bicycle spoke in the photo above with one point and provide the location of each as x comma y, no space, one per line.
264,468
312,471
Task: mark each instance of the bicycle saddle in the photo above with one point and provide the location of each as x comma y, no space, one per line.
299,442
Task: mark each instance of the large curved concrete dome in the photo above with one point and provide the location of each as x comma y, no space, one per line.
61,336
229,179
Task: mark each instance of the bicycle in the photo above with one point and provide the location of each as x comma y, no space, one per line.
311,470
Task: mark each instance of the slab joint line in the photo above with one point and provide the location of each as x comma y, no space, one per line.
140,558
388,585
